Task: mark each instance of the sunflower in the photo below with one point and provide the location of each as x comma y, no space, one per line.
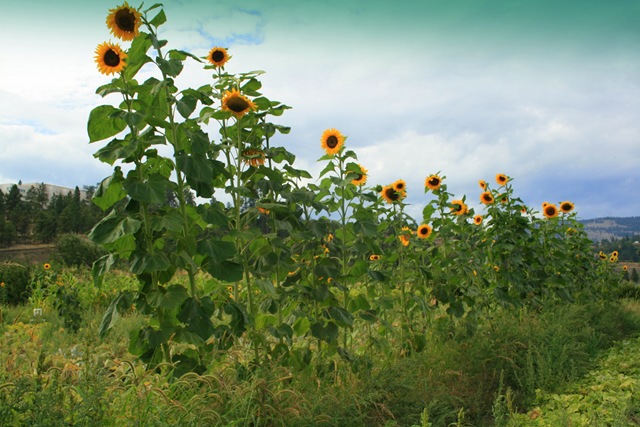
613,259
501,179
550,210
218,56
400,186
483,184
486,198
458,207
236,103
614,254
625,268
390,195
544,204
405,236
566,207
477,220
46,266
253,157
124,22
602,255
361,178
424,231
504,199
433,182
332,141
110,58
374,257
264,211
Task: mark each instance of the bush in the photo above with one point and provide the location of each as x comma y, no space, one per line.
14,278
76,249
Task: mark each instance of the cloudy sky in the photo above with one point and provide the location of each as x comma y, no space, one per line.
545,91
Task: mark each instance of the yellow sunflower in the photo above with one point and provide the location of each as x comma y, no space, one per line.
361,178
253,157
625,268
390,195
458,207
218,56
110,58
566,207
602,255
501,179
124,22
236,103
477,220
424,231
483,184
46,266
264,211
486,198
400,186
433,182
550,210
614,254
374,257
405,236
332,141
613,259
504,199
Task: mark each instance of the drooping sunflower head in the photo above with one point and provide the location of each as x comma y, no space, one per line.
483,184
602,255
433,182
110,58
458,207
361,178
566,207
236,103
124,22
253,157
390,195
502,179
486,198
424,231
218,56
332,141
477,220
550,210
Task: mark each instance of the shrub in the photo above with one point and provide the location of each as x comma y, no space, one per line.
14,278
76,249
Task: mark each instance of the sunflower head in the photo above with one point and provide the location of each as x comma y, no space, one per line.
332,141
264,211
613,259
501,179
483,184
486,198
253,157
477,220
566,207
361,178
458,207
424,231
602,255
550,210
433,182
614,254
110,58
405,236
390,195
46,266
218,56
625,268
124,22
400,186
236,103
374,257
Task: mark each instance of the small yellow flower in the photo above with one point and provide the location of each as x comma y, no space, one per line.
549,210
374,257
566,207
502,179
477,220
483,184
2,285
405,235
46,266
433,182
424,231
496,268
218,56
264,211
624,268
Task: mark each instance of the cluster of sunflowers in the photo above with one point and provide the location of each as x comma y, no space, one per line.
612,257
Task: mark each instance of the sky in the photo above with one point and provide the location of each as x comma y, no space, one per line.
545,91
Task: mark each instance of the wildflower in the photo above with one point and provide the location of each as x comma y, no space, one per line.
110,58
483,184
550,210
331,141
486,198
374,257
458,207
218,56
424,231
433,182
477,220
124,22
253,157
501,179
360,178
566,207
236,103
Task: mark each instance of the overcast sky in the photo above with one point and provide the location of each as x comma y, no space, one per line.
545,91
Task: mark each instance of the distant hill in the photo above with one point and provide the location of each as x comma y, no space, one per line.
605,228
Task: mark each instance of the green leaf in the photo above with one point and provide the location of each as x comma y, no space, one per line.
171,67
137,55
301,326
152,190
159,19
120,303
109,191
104,123
326,332
112,228
341,316
186,105
174,297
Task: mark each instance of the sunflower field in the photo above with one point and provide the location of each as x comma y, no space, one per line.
320,277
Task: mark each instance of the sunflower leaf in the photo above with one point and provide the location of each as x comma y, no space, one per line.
159,19
137,55
103,123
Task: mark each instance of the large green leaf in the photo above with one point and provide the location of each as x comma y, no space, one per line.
112,228
109,191
326,332
151,190
104,123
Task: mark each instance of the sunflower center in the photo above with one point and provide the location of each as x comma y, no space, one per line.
424,231
392,194
457,207
332,141
434,181
217,56
358,177
237,104
125,20
111,58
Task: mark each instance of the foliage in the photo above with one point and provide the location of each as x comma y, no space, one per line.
76,250
14,283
